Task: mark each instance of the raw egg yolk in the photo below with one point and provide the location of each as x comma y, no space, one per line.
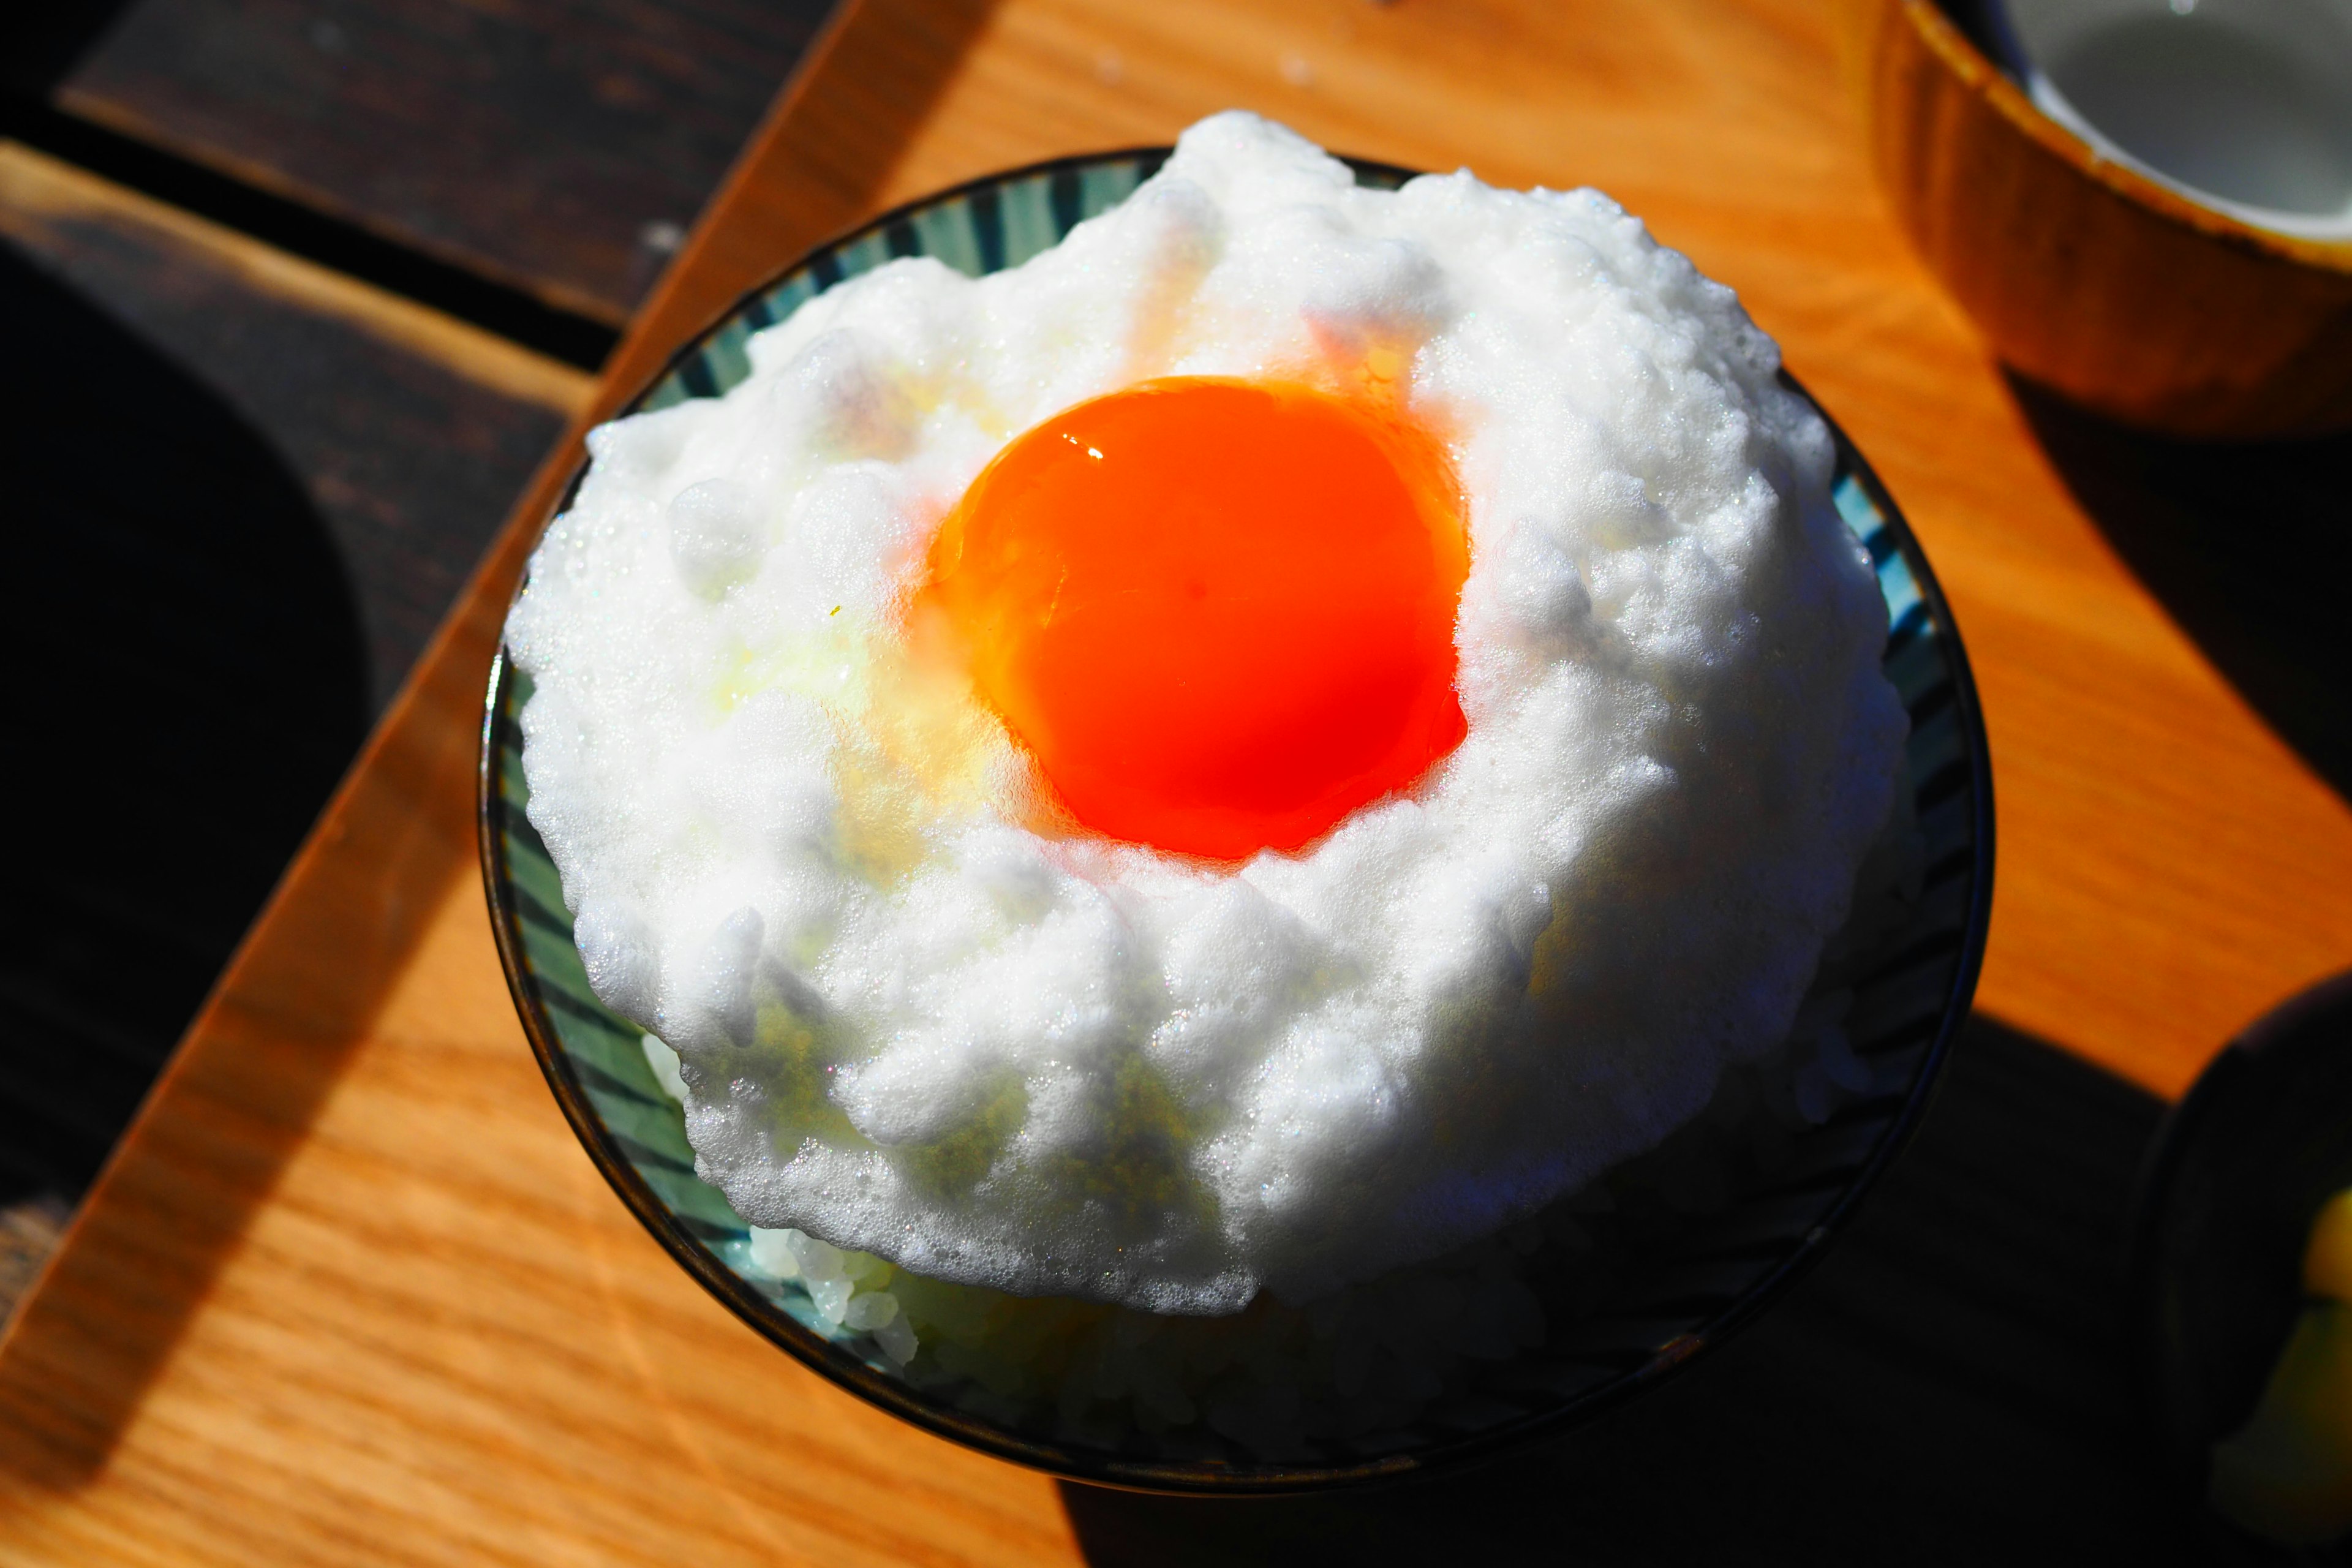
1219,613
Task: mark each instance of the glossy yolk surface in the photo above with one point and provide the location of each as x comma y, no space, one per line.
1220,613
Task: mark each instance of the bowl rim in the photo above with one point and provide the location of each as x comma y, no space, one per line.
1219,1478
1981,74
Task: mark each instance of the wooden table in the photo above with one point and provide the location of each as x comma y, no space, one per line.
349,1291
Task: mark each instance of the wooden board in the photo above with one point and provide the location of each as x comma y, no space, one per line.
409,431
246,491
349,1292
562,146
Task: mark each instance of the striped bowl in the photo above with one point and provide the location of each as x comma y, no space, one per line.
1669,1301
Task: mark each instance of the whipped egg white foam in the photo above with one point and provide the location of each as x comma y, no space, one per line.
920,1015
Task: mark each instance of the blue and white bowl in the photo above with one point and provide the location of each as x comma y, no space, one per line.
1676,1283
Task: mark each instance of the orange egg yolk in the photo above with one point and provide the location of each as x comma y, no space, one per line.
1219,613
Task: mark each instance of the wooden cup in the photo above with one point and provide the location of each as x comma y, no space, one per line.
2087,276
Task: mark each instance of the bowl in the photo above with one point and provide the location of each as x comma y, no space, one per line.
2088,267
2239,105
2214,1269
1683,1273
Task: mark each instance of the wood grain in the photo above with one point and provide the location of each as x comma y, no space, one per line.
349,1292
562,146
2086,275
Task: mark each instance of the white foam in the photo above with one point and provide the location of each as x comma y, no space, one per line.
914,1021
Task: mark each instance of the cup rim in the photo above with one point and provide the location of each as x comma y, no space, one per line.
1983,76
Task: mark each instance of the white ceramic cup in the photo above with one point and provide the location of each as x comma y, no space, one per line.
2243,105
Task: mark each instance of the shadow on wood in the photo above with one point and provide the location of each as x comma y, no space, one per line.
191,678
197,684
241,1092
1950,1385
408,432
2240,543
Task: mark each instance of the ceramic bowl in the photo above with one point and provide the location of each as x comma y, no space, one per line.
2086,268
1681,1286
2244,106
2233,1181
